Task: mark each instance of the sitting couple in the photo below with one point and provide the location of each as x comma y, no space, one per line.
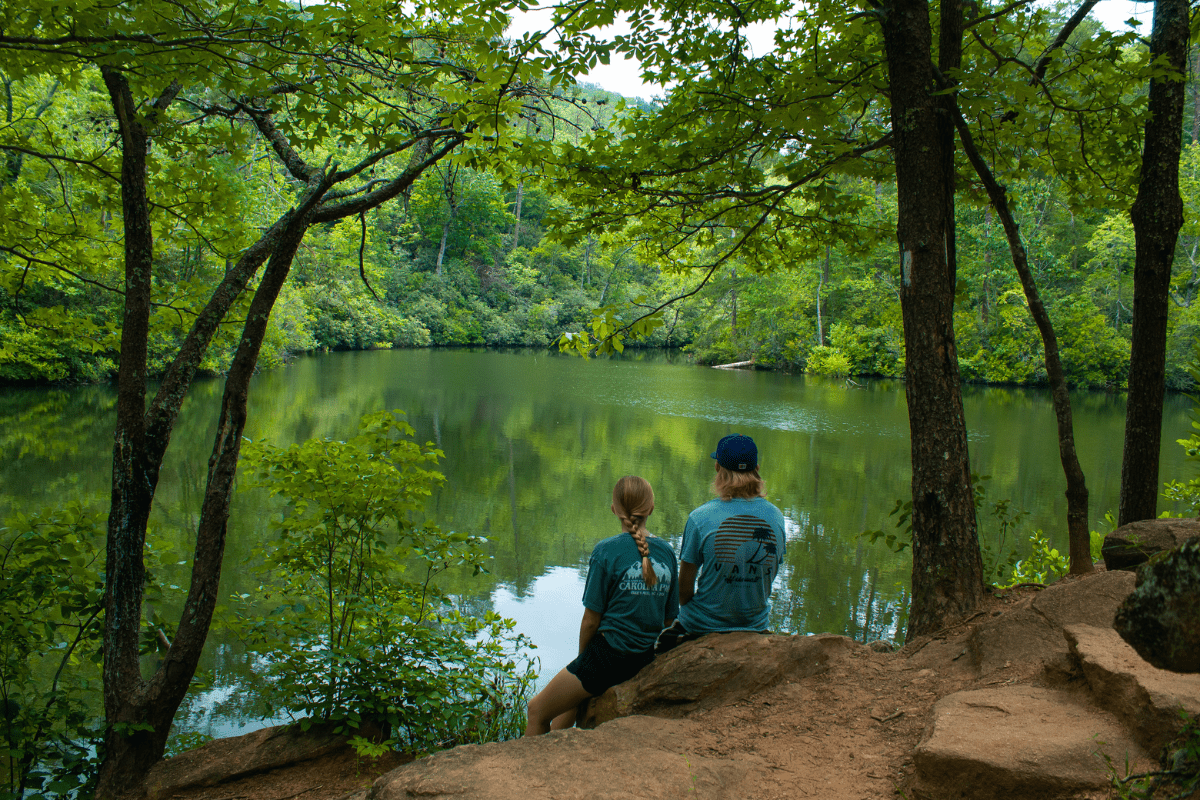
636,604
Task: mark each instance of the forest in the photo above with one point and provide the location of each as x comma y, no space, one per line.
942,192
474,256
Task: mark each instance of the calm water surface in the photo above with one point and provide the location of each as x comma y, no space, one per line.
534,443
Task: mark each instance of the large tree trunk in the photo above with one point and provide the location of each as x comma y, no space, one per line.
1077,492
1157,215
138,712
134,474
947,580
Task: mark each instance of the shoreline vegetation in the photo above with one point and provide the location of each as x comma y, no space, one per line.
474,258
1182,384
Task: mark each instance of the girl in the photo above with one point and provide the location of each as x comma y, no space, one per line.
630,595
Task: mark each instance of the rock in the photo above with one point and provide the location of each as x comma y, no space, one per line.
626,759
1161,619
1032,638
227,759
1090,600
1146,698
1023,637
1134,544
881,646
1018,742
718,669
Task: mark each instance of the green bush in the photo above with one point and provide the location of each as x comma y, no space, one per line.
1188,492
51,622
828,361
870,350
358,630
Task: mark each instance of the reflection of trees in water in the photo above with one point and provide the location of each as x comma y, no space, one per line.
834,584
534,444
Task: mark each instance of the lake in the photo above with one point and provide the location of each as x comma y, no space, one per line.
534,442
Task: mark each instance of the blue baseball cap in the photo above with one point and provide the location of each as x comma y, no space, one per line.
736,452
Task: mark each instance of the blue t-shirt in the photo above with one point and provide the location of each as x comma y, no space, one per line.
631,613
738,545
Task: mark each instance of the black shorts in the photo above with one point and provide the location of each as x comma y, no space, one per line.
601,666
672,637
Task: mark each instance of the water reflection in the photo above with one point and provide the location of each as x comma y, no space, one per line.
534,443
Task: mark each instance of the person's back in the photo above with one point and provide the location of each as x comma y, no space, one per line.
738,543
731,551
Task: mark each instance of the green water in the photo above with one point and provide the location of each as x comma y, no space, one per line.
534,443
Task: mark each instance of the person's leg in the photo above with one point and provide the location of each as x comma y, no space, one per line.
566,719
561,696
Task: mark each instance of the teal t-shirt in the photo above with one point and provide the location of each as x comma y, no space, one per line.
738,545
631,613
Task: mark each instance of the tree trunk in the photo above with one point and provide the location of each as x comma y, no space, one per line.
1157,216
139,713
133,479
947,580
1077,492
733,318
821,285
442,246
587,263
984,307
520,200
1196,97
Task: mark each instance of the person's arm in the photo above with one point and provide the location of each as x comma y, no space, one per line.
687,582
588,628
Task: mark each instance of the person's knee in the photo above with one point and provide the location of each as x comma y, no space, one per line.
535,710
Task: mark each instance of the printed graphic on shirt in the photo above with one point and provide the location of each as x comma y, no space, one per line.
745,549
633,582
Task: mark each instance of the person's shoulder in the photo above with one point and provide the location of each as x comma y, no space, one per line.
661,544
606,545
767,507
716,505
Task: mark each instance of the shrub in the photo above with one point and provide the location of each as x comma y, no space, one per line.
828,361
51,621
359,630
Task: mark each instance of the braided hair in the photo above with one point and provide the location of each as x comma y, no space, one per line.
633,502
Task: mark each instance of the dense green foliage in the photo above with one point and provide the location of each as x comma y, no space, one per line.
476,257
1187,491
51,619
1083,262
51,613
356,632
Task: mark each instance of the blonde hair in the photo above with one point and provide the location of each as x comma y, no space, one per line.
633,501
729,484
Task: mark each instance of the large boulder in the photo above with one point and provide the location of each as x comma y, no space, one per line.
1018,743
626,759
1147,699
227,759
718,669
1161,619
1134,544
1032,637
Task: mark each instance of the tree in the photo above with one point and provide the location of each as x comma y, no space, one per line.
947,569
1077,492
387,90
1157,216
768,146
